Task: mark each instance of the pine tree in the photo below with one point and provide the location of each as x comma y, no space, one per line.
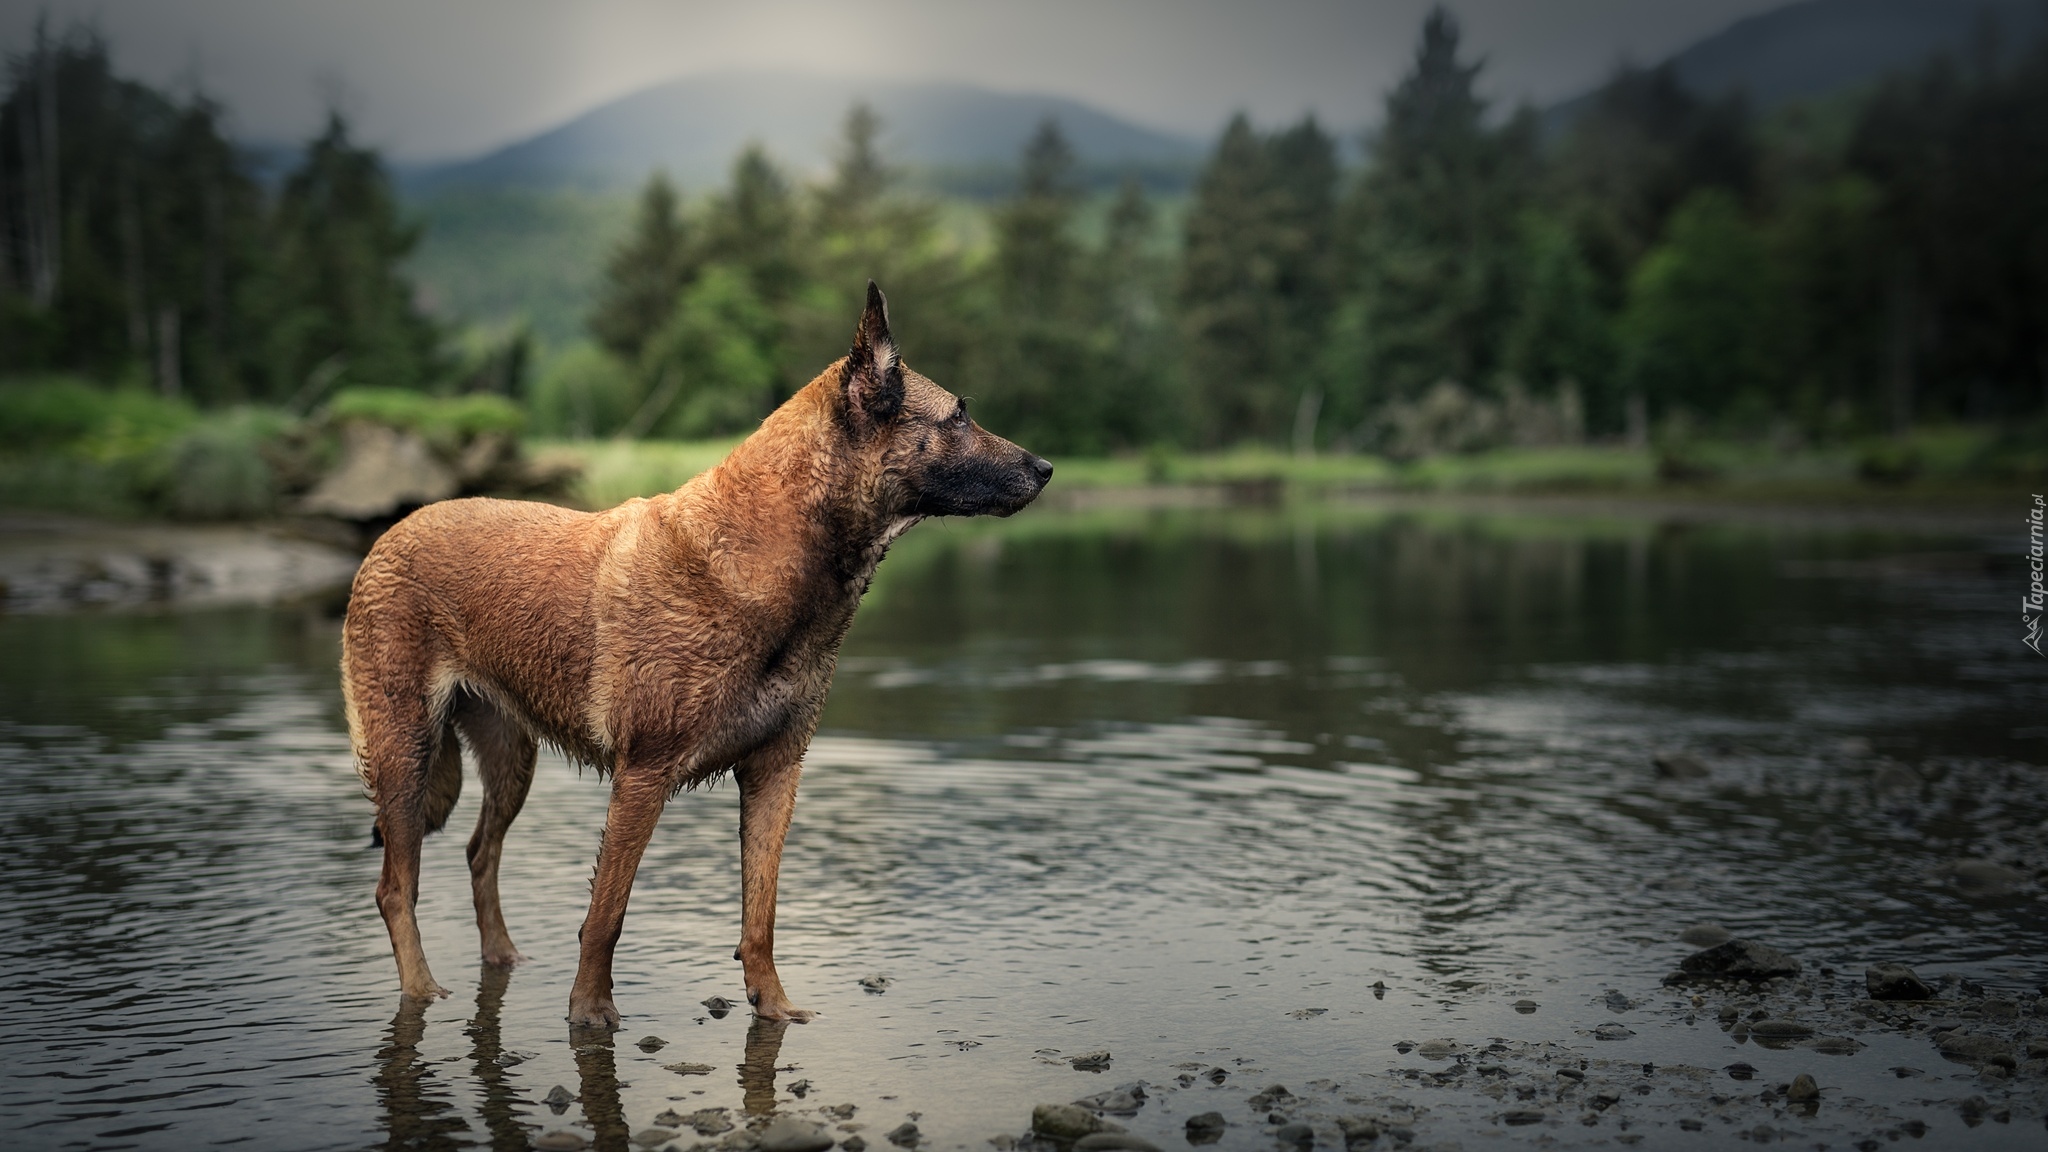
1437,215
646,274
752,226
1256,288
336,296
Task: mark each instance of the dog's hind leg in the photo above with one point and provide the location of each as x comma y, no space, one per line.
504,762
416,769
637,801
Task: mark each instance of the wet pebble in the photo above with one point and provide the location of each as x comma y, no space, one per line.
1296,1133
1122,1100
558,1097
651,1044
653,1137
1090,1061
1109,1141
1359,1129
1974,1049
1067,1122
709,1121
1739,959
904,1135
1272,1096
1803,1090
1617,1001
789,1134
1522,1116
559,1141
1612,1031
1680,766
685,1068
853,1144
1780,1030
875,984
1206,1128
718,1006
1526,1007
1439,1049
669,1119
1895,982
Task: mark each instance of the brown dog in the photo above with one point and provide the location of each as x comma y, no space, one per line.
667,641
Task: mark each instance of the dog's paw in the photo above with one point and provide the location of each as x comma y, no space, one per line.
779,1008
593,1013
426,991
504,958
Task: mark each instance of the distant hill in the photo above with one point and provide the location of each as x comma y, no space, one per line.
693,127
1818,47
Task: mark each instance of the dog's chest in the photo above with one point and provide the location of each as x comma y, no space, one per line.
786,689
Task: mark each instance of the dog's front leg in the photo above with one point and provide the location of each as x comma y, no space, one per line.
767,801
637,801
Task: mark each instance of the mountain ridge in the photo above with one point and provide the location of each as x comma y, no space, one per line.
693,127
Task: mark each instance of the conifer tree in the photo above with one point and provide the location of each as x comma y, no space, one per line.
1437,216
337,296
646,274
1255,286
752,226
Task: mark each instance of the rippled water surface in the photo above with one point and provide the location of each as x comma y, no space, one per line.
1159,783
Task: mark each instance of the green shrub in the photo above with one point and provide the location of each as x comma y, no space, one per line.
583,392
217,470
441,420
61,412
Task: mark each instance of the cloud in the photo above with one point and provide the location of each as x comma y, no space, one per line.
452,77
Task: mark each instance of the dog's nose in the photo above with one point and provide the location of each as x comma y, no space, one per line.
1043,467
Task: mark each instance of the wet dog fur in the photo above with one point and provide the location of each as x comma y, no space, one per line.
666,642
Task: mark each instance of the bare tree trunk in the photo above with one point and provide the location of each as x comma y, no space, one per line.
168,379
213,285
32,238
6,231
136,290
1899,350
53,215
1638,415
1305,414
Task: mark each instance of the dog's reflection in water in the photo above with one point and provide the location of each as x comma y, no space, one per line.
501,1109
598,1071
757,1072
420,1115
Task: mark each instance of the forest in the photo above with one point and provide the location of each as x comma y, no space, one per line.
1656,264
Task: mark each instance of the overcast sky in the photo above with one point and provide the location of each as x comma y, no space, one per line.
443,78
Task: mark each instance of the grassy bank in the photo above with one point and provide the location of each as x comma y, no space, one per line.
1934,467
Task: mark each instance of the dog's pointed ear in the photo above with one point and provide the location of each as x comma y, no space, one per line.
874,369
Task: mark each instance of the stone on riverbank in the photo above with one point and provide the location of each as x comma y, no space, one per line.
789,1134
1738,959
1803,1090
1112,1142
1065,1123
1895,982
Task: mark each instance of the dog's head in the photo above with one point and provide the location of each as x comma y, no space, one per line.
935,460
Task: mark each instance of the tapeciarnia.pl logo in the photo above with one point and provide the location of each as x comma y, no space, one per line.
2035,602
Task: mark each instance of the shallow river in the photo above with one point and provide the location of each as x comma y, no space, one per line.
1280,793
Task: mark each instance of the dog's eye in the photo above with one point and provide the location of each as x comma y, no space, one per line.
960,416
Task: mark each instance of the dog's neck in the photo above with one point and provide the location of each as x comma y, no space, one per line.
806,499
